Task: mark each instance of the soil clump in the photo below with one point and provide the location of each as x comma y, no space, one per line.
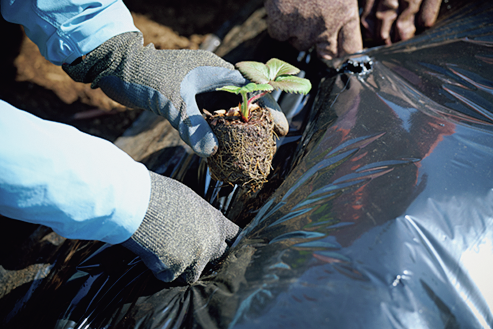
246,149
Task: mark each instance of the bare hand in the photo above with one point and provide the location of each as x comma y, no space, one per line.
332,26
387,21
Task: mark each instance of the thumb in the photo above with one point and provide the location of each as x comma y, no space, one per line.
229,230
281,125
195,131
349,39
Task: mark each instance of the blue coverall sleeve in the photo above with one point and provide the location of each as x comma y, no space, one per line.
65,30
81,186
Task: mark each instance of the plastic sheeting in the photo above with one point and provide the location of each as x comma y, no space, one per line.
385,218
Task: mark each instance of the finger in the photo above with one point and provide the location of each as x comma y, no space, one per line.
228,230
405,27
195,131
193,273
428,13
345,36
281,125
165,275
276,24
327,49
386,15
212,78
192,127
298,22
349,38
368,18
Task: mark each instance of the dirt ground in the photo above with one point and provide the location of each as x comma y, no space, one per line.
30,82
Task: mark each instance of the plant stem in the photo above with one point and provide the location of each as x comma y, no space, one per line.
254,98
245,113
245,105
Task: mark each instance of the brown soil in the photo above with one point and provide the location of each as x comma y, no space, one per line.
245,150
30,82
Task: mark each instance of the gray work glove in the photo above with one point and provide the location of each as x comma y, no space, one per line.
181,233
331,26
281,125
387,21
163,81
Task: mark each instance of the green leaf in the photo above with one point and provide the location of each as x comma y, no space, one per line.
278,67
251,87
275,73
255,71
231,89
264,87
292,84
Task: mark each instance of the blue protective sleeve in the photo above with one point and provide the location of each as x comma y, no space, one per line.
81,186
64,30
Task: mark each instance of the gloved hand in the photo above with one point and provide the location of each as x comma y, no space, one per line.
281,125
180,232
332,26
163,81
379,16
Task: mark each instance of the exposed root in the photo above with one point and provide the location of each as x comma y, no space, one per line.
245,150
